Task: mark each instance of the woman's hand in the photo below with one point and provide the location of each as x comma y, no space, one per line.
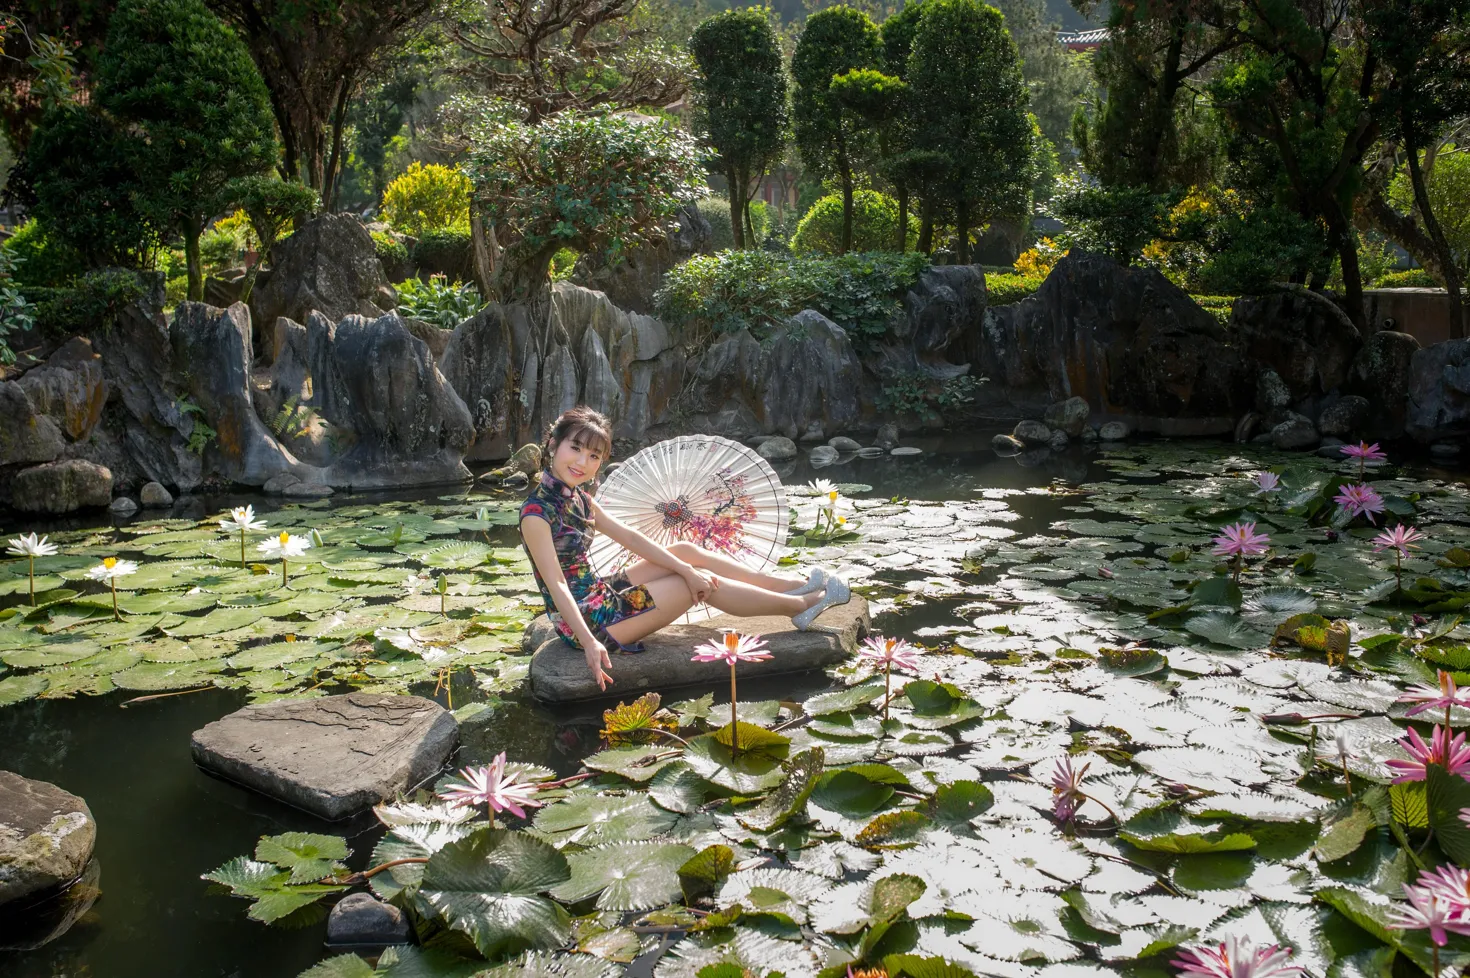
598,661
700,583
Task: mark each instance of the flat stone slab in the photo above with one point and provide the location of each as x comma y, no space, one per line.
334,756
559,672
46,837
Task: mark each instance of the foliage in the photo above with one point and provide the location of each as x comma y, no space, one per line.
757,291
1408,278
437,301
41,259
428,198
15,312
274,208
925,397
972,104
874,224
1003,289
1250,251
1038,260
716,210
1219,306
237,225
196,112
593,183
1447,184
447,253
740,102
89,305
1116,222
563,264
389,248
1059,80
217,250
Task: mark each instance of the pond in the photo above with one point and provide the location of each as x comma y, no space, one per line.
1068,606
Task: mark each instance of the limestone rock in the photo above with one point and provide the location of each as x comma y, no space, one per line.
122,507
844,444
777,448
277,485
559,672
435,338
1058,440
942,306
61,487
1295,433
1381,373
46,837
814,432
1032,433
631,282
25,435
332,756
1438,407
1272,396
1345,416
1069,416
887,437
307,490
1305,337
1114,431
822,455
69,388
363,919
329,266
1089,435
155,496
1007,445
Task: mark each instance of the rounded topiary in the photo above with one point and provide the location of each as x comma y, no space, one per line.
874,224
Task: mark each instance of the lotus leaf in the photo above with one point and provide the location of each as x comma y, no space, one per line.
412,841
849,794
14,689
341,966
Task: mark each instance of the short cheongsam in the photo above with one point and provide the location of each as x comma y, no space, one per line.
602,601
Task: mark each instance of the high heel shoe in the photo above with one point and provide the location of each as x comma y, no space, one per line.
815,582
837,593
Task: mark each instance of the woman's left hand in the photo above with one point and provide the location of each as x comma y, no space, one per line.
700,583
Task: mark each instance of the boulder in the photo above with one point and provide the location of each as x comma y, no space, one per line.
559,672
69,388
26,436
277,485
361,919
631,281
1438,406
1302,335
1058,440
814,432
307,490
217,346
887,437
822,455
155,496
1381,373
122,507
36,925
46,838
1295,433
434,337
1273,398
1069,416
61,487
1114,431
1007,445
844,444
1126,340
777,448
1032,433
334,756
479,362
1344,417
328,266
945,302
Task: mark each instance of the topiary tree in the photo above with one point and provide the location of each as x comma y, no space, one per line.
875,224
740,99
274,207
428,198
970,104
195,110
834,139
590,183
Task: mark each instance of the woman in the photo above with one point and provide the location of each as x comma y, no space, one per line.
601,614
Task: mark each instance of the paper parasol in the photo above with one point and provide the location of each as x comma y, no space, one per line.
703,489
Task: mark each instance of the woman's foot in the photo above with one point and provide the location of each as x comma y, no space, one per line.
837,593
816,582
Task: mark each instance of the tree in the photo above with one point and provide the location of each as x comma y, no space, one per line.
906,168
274,207
740,99
834,139
1057,79
314,57
875,225
580,181
195,109
971,105
45,44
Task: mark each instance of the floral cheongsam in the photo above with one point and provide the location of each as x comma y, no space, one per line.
603,601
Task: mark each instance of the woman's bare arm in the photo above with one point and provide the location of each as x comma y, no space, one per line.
637,542
537,534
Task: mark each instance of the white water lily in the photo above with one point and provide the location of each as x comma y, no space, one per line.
822,487
241,519
110,570
417,583
30,547
284,546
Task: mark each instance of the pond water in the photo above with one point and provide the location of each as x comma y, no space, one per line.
1022,579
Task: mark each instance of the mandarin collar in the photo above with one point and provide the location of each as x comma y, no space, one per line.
556,485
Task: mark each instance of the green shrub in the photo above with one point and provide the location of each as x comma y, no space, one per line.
428,198
15,312
438,302
218,250
447,253
388,247
562,264
926,397
1003,289
757,290
716,210
1409,278
1219,306
874,224
175,290
92,304
41,259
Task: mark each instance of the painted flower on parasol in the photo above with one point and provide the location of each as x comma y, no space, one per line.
733,647
890,652
1402,538
1240,540
284,546
242,520
110,570
29,546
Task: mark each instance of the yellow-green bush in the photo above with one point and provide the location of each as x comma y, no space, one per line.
874,224
428,198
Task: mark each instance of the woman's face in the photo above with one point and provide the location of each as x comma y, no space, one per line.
574,463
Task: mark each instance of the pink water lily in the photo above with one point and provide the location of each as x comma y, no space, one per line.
732,647
1428,696
1266,482
1066,790
1240,540
890,652
1359,499
1401,538
489,785
1364,453
1237,957
1450,883
1429,910
1452,755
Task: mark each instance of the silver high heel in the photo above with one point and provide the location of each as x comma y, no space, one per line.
815,582
837,593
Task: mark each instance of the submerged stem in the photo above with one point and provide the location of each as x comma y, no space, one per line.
115,615
242,548
33,580
734,724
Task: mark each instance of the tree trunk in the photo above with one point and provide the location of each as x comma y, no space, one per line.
482,255
962,232
248,285
926,226
334,161
903,218
846,244
1352,275
1447,264
749,225
191,255
737,195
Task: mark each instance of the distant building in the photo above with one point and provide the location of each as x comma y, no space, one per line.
1089,40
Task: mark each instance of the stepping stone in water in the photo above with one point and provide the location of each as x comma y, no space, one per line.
46,837
333,756
559,672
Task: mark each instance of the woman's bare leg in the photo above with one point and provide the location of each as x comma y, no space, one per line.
671,598
748,601
643,571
